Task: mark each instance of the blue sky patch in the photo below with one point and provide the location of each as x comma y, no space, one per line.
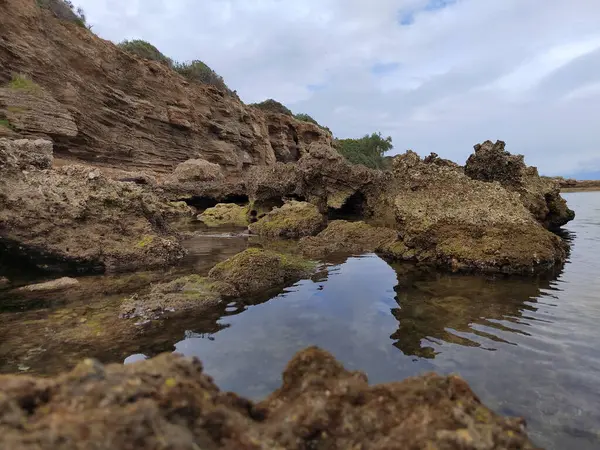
316,87
384,68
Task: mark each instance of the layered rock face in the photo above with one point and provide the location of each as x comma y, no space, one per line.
75,219
104,106
168,402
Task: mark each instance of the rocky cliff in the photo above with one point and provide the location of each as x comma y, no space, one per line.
107,107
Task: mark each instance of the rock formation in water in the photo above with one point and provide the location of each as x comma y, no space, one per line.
75,219
167,139
168,402
251,272
541,195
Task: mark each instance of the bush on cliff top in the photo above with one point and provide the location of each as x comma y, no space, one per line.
145,50
65,10
273,106
198,71
368,150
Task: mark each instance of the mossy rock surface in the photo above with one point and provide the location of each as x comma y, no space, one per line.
342,236
293,220
255,270
225,214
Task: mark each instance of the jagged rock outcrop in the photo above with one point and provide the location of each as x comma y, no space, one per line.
107,107
445,217
168,402
541,195
75,219
293,220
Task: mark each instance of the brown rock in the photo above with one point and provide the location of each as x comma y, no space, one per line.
254,271
541,195
447,218
293,220
168,402
25,154
74,217
112,108
4,282
347,237
49,286
195,170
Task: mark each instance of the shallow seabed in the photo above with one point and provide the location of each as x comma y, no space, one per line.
527,346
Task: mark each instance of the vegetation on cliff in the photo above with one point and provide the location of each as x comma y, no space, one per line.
368,150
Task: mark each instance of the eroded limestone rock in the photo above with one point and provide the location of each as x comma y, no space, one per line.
225,214
541,195
75,218
293,220
168,402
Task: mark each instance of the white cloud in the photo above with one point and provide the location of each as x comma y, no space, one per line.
526,71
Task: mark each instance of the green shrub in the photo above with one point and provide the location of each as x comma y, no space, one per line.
4,123
65,10
306,118
23,83
199,72
145,50
368,150
273,106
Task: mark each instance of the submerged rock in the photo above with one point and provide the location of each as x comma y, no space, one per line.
168,402
251,272
346,237
541,195
254,270
225,214
48,286
188,293
293,220
76,219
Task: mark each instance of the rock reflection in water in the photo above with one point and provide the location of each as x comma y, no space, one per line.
444,307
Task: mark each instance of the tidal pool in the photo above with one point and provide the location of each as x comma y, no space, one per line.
527,346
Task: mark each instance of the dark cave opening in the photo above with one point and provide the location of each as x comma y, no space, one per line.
353,209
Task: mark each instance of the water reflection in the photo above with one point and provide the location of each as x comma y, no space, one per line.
442,307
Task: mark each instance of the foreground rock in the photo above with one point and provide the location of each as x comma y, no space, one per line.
49,286
4,282
225,214
347,237
293,220
251,272
541,195
168,402
75,219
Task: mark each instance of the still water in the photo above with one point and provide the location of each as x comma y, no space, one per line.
527,346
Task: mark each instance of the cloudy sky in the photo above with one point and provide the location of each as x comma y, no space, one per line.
436,75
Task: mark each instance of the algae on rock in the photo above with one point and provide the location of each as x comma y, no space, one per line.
342,236
293,220
254,270
225,214
169,402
